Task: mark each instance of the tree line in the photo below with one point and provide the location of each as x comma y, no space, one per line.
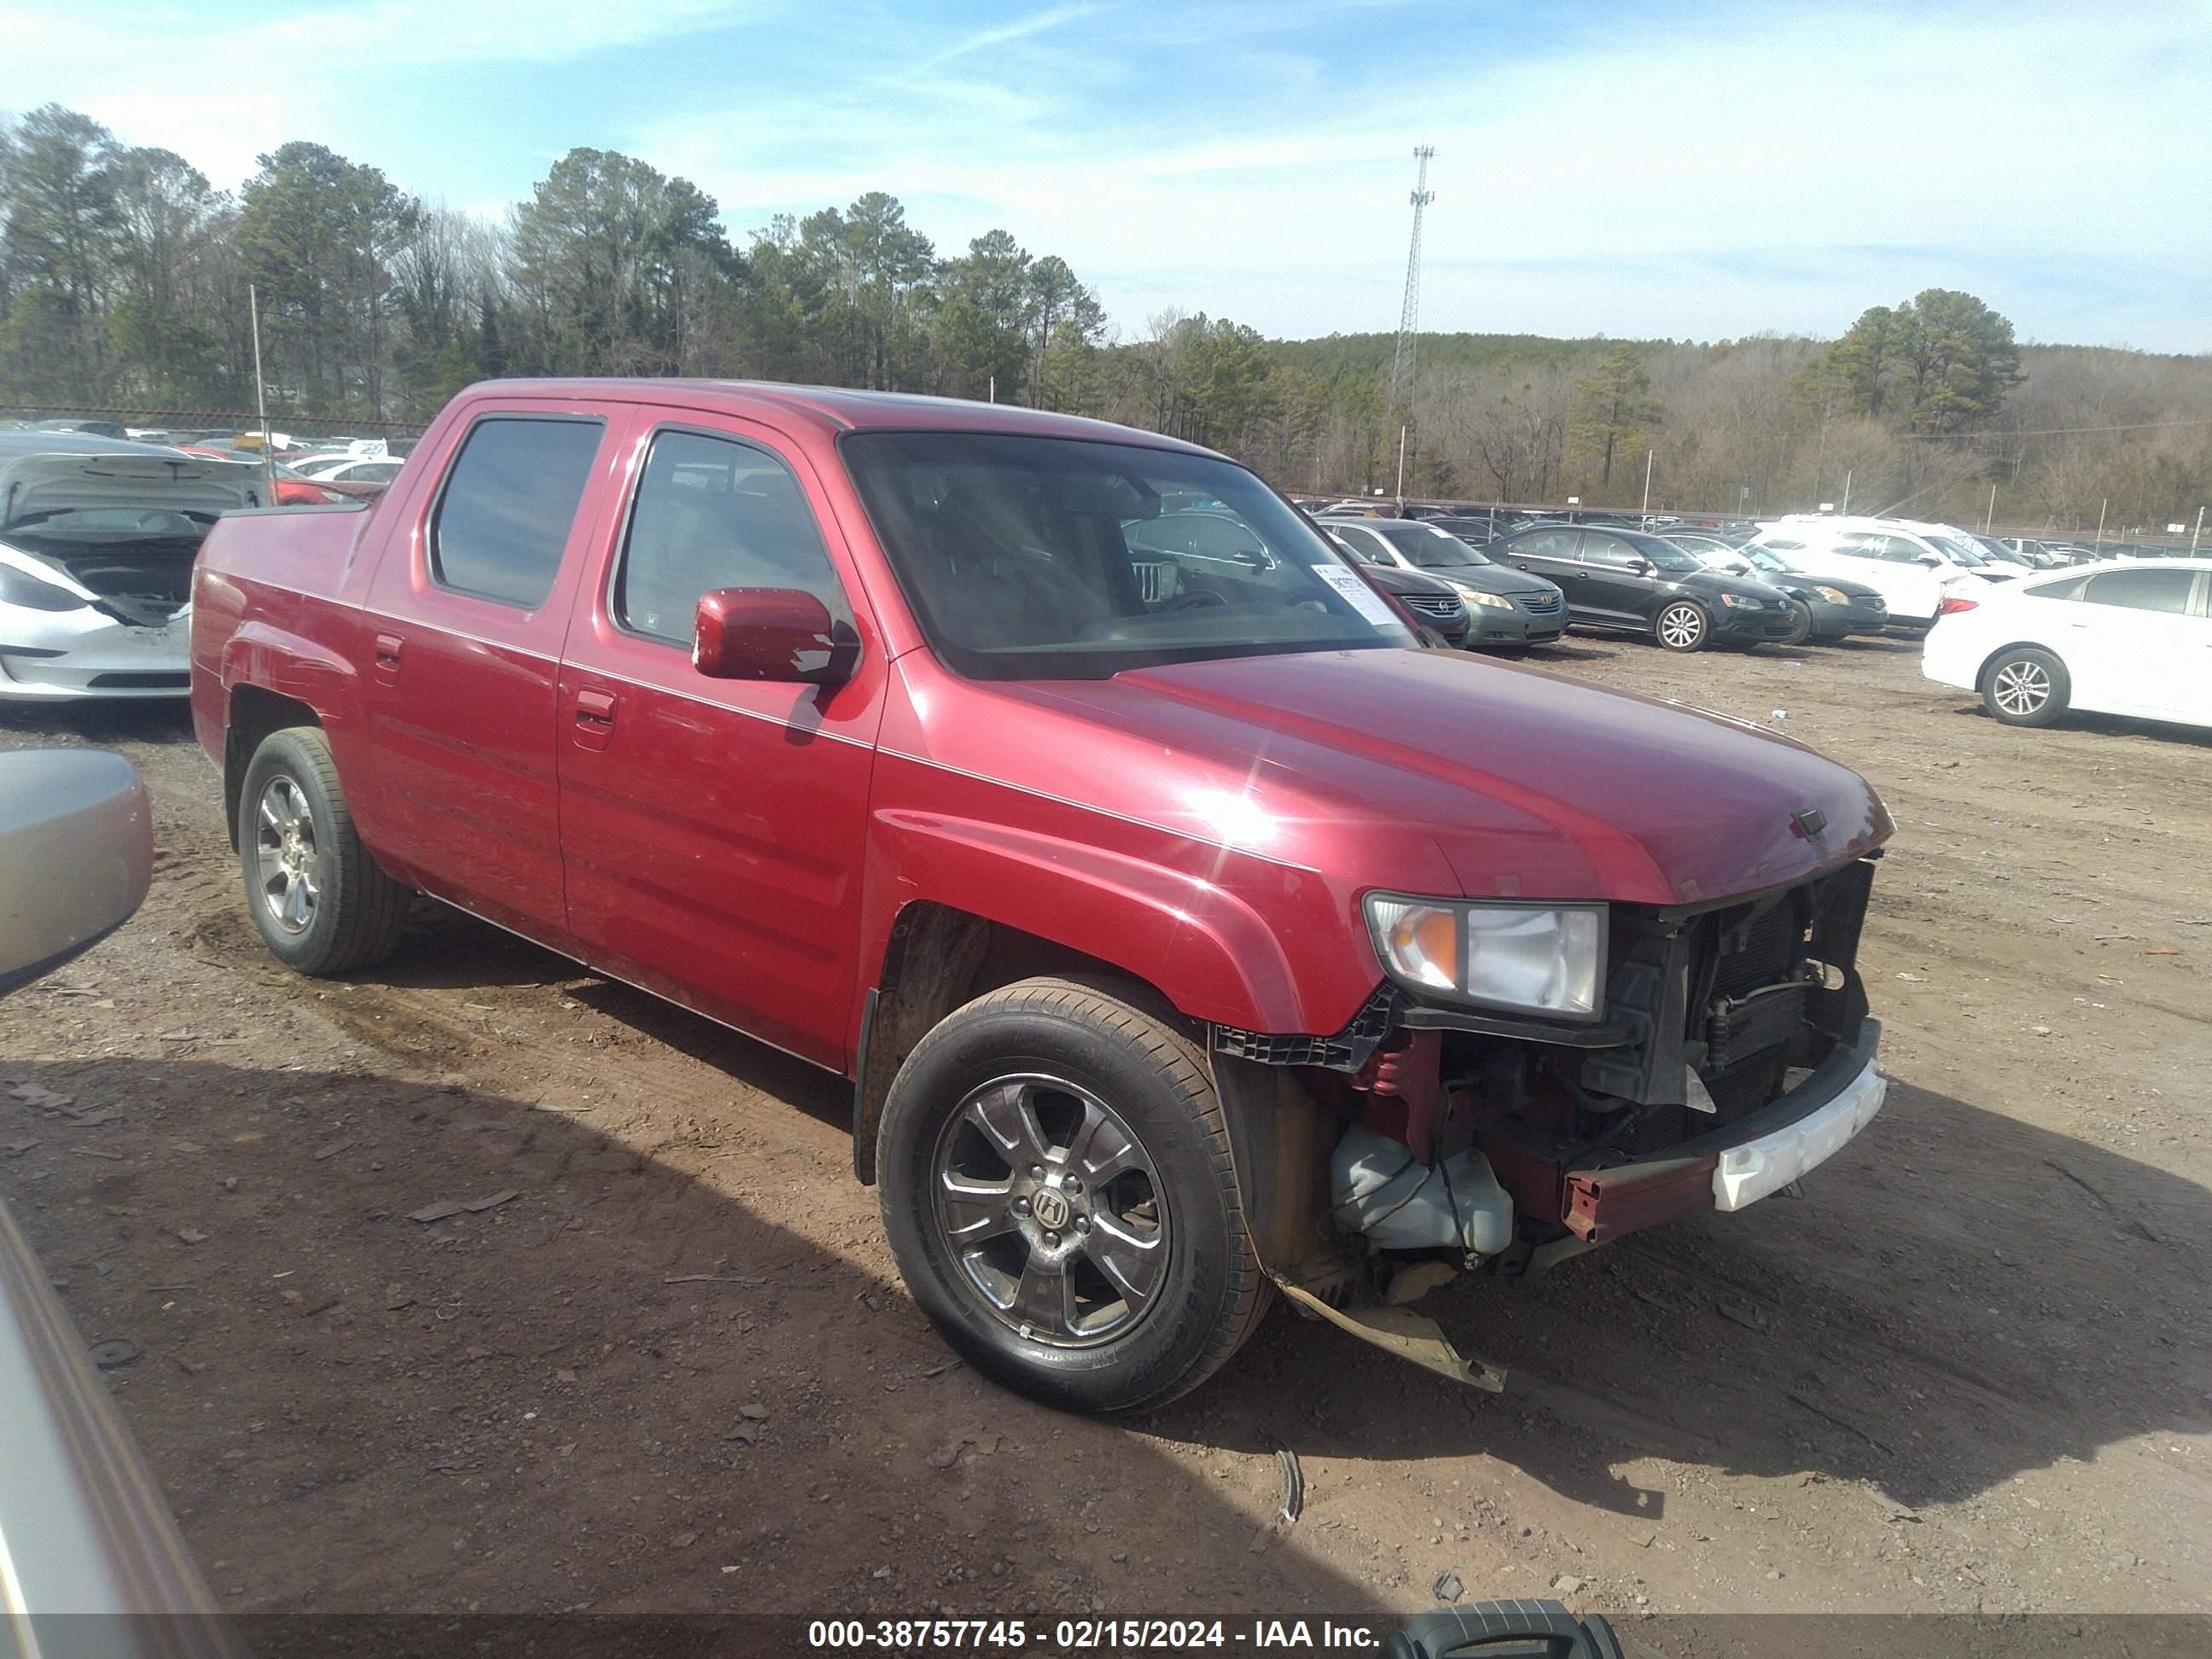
124,277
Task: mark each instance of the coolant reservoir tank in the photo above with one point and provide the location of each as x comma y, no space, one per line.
1378,1188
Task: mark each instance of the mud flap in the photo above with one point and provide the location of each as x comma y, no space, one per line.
1401,1331
1279,1149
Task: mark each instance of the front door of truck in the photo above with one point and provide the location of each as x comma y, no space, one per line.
462,652
713,830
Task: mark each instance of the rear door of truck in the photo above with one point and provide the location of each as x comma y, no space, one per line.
469,606
713,830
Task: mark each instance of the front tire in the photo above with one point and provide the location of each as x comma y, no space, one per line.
1801,627
2023,686
321,902
1057,1189
1682,625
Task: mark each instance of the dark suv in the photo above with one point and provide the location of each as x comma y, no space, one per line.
1623,579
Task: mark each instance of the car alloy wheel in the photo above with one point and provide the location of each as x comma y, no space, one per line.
2021,688
286,857
1050,1203
1681,626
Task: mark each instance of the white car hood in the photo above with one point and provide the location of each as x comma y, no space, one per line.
35,484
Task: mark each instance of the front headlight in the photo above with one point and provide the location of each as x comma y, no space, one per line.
1833,595
1538,959
19,586
1742,602
1487,601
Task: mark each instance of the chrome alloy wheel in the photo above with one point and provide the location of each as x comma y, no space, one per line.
1681,626
1050,1204
2021,687
285,858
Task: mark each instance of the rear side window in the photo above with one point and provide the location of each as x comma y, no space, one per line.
713,512
2142,590
2069,589
504,517
1549,544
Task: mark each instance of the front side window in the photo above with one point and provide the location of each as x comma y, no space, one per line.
2142,590
1038,558
1609,550
503,520
713,513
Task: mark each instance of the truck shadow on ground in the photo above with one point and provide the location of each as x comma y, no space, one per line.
619,1387
1959,1297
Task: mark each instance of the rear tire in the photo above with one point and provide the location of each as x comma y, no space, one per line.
2024,686
321,902
1047,1282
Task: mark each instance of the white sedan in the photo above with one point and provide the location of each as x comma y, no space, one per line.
2130,637
97,539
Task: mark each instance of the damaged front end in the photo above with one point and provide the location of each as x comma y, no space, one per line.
1731,1051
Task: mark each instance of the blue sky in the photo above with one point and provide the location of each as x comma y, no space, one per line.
1653,170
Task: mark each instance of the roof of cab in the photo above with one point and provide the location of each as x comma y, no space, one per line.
837,409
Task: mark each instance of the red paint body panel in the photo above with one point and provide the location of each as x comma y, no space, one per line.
745,848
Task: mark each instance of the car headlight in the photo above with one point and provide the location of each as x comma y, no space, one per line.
1833,595
19,586
1487,601
1742,602
1538,959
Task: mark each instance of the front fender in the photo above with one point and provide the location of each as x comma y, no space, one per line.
1206,950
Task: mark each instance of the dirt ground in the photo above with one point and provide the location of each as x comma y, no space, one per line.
663,1364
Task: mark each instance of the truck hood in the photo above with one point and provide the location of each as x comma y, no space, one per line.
1529,783
125,475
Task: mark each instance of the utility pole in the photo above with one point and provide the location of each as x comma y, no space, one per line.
1409,315
1990,516
1847,490
1401,472
2197,531
261,397
2101,506
1647,456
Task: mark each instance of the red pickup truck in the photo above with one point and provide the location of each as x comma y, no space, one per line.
1184,931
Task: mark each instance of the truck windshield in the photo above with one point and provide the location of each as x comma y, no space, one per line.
1051,558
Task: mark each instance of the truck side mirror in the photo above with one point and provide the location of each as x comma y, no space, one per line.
76,851
779,633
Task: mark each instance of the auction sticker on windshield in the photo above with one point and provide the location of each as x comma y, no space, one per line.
1358,594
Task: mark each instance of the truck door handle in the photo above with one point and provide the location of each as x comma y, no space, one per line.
595,709
388,646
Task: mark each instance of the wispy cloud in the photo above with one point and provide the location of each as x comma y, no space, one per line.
999,34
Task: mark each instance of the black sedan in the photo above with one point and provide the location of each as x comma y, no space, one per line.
1624,578
1505,607
1832,606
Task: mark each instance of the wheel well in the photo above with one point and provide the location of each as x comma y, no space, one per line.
1981,674
253,715
938,959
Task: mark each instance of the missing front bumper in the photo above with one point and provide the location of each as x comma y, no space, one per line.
1736,1166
